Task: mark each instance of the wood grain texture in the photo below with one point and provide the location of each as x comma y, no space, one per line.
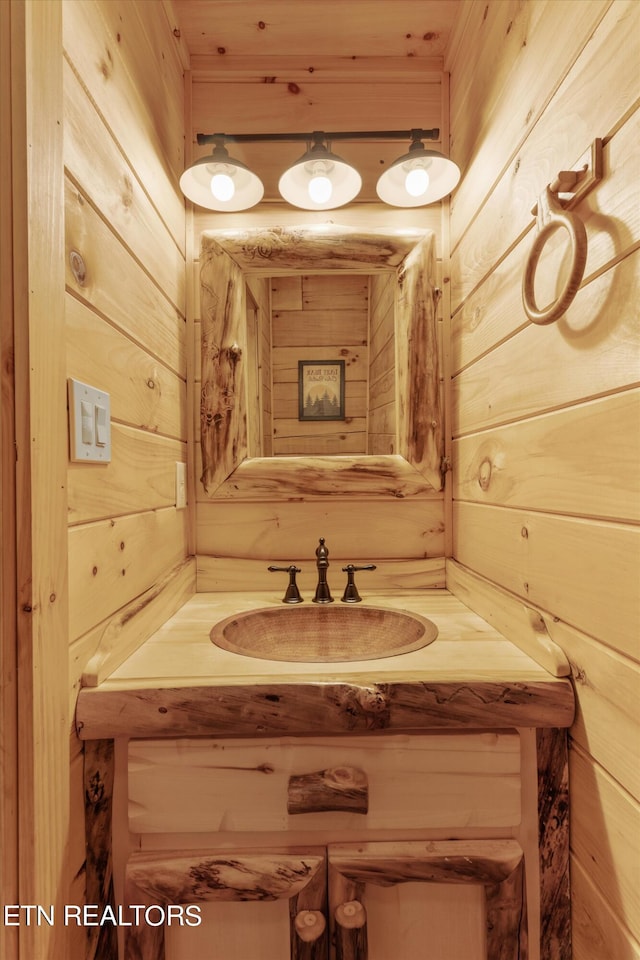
8,510
511,383
348,915
104,179
98,803
397,527
566,397
144,393
420,428
223,418
123,632
273,709
524,625
337,788
605,832
188,877
117,562
548,462
140,476
392,782
40,464
595,926
493,311
364,217
520,38
215,573
123,265
606,686
553,844
582,571
282,250
265,478
108,48
100,272
578,97
495,864
334,30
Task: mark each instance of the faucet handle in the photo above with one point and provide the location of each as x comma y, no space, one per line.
351,594
292,594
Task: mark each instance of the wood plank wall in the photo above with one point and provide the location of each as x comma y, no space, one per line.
126,333
319,318
39,461
545,419
225,94
8,530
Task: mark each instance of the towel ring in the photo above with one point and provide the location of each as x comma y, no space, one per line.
551,216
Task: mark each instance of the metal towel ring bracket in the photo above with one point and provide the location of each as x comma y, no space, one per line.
551,216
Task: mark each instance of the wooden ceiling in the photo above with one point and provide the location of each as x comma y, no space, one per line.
313,30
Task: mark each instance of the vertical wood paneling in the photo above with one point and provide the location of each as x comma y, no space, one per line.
556,524
38,205
8,645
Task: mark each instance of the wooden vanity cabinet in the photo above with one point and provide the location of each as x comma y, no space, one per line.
349,842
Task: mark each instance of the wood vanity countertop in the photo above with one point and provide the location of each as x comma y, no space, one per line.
178,683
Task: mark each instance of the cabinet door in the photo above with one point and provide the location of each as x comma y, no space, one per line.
266,905
488,877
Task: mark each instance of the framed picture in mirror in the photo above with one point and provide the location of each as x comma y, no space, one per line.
321,390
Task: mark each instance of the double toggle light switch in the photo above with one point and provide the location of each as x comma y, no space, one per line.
89,424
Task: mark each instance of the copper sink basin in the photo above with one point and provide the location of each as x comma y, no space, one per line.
323,634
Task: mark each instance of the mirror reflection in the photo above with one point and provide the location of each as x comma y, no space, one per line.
275,302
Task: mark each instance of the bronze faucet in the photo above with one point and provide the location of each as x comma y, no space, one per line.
351,594
323,594
292,594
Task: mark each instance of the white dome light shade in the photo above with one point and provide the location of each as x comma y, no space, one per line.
418,178
218,182
305,184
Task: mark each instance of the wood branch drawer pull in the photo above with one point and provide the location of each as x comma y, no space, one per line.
344,789
351,915
310,924
351,940
551,216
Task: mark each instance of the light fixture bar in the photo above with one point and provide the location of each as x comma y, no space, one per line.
415,134
319,179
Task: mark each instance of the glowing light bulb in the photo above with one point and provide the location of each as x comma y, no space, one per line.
320,189
222,186
417,182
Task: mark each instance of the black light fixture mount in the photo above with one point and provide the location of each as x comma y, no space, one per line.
319,180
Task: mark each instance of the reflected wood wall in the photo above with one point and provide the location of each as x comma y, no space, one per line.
319,318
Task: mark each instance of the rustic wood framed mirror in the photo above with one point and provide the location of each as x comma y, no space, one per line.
227,410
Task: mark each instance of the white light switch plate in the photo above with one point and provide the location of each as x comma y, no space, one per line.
89,423
181,485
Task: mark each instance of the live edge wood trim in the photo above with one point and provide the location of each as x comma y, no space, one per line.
276,709
495,864
188,877
553,844
98,804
